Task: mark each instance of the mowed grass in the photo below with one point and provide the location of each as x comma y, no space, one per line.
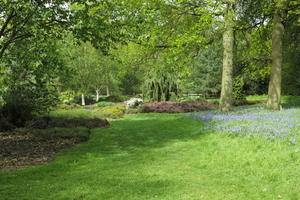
161,156
286,101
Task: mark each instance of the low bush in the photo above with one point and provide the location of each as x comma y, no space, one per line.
146,109
114,112
68,106
290,101
89,99
22,103
5,125
133,110
63,122
78,122
175,107
67,97
238,93
16,112
117,98
104,104
79,134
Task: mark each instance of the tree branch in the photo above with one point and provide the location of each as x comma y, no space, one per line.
4,26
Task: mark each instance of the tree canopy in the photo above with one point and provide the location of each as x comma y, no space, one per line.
215,48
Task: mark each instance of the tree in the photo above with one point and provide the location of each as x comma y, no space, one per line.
82,60
205,74
22,19
30,76
131,62
228,44
274,92
264,18
89,69
195,17
161,86
105,23
291,65
279,15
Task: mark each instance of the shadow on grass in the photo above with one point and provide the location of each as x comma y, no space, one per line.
291,101
116,163
141,134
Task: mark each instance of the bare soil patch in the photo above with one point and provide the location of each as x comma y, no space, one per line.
18,151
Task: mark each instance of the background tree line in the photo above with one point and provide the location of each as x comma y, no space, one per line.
160,49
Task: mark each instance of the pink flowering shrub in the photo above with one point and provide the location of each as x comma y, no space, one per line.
176,107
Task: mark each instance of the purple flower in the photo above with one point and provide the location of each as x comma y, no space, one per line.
254,121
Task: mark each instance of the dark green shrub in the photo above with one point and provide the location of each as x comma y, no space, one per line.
114,98
102,98
78,122
145,109
132,111
68,106
104,104
117,98
63,122
16,112
5,125
38,122
79,134
89,99
238,93
67,97
22,103
130,83
206,71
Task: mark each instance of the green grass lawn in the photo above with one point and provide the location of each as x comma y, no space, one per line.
287,101
161,156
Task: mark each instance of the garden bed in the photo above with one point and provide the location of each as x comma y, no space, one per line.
18,151
43,137
177,107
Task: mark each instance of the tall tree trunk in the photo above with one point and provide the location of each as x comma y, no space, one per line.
274,92
107,90
97,95
82,100
228,44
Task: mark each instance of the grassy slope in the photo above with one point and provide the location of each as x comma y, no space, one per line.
161,156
